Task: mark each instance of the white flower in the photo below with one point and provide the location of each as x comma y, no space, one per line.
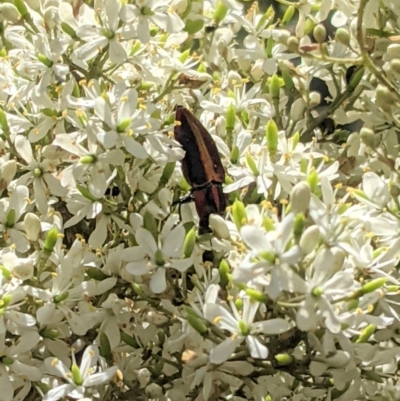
15,360
52,50
243,328
78,379
326,282
93,166
98,37
130,122
10,317
11,211
146,12
155,257
271,253
44,183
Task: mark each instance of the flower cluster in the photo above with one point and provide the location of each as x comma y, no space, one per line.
108,291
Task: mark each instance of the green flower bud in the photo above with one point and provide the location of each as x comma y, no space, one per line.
220,12
184,56
360,193
288,80
313,181
167,173
154,30
366,333
274,86
230,117
44,60
7,360
105,347
88,159
144,86
3,121
135,48
195,321
21,7
252,164
298,226
49,333
256,295
300,197
295,140
317,292
284,359
10,219
269,47
76,375
189,243
342,36
159,258
266,18
86,193
5,272
373,285
96,273
309,26
287,17
239,303
268,223
355,79
131,341
268,256
244,329
231,94
193,26
303,166
234,155
224,273
239,214
51,239
123,125
216,76
272,137
368,137
69,30
245,117
184,185
319,33
105,96
60,297
50,112
37,172
353,304
32,226
5,300
150,224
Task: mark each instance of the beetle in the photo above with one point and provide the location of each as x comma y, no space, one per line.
201,166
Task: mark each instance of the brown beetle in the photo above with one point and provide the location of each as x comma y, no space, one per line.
201,166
